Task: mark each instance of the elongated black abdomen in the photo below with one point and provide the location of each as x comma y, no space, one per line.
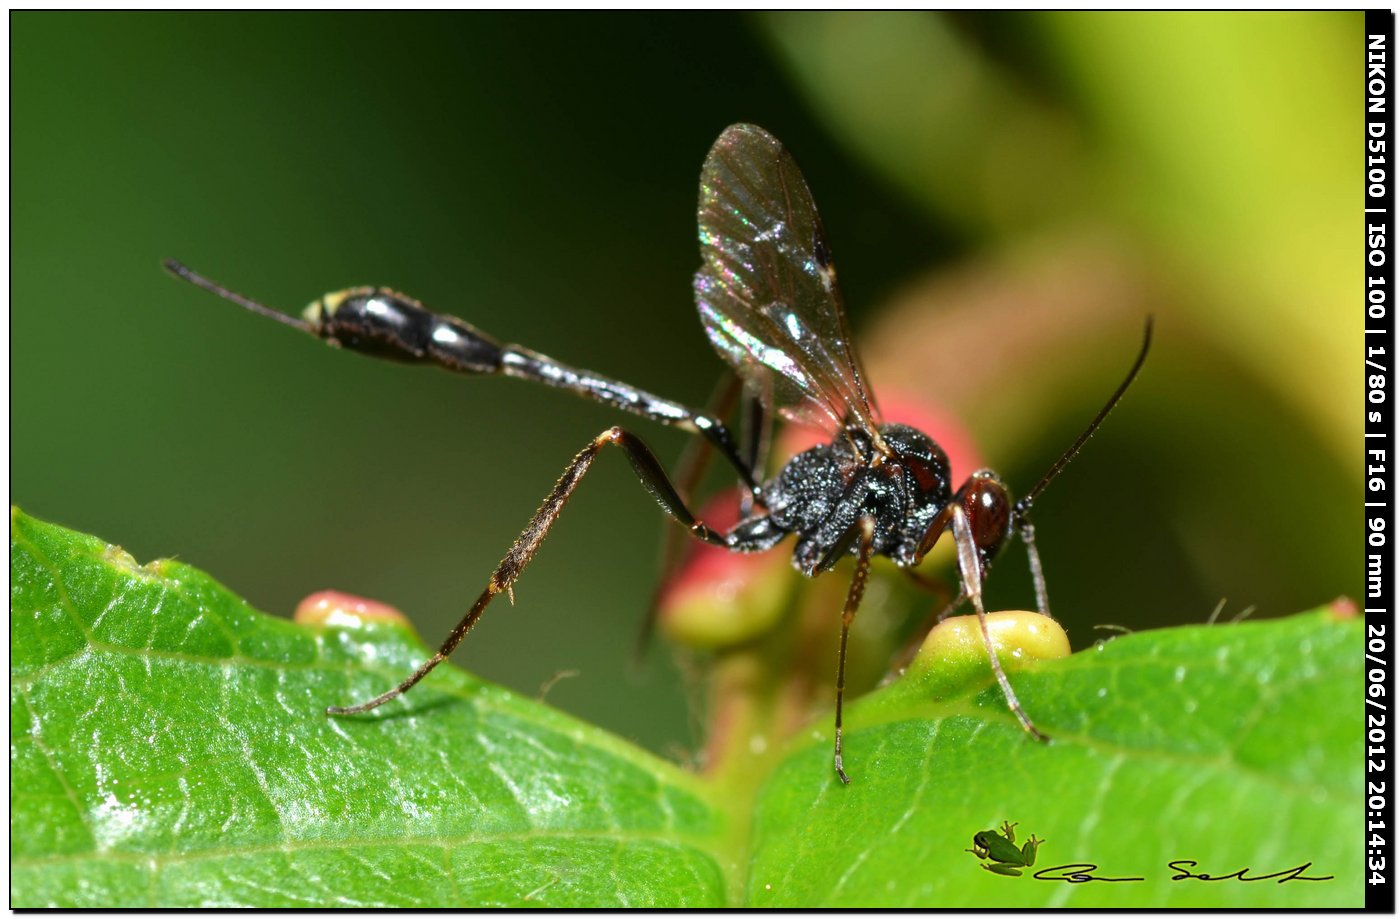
383,323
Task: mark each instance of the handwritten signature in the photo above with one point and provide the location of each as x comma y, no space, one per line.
1083,873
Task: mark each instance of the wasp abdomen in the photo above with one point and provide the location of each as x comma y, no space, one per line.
383,323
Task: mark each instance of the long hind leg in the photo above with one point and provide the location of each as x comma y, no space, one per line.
652,477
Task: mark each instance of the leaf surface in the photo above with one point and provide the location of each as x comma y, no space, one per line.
168,748
1231,746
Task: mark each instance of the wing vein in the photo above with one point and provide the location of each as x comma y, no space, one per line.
766,294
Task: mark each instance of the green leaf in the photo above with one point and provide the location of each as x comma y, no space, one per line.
168,749
1233,746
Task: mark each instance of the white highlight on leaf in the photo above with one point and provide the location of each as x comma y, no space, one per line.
114,822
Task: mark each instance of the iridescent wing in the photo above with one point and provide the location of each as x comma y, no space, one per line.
766,289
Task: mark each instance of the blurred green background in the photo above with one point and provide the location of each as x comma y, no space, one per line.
1007,196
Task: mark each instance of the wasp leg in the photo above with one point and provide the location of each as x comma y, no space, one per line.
865,529
652,477
971,570
1042,598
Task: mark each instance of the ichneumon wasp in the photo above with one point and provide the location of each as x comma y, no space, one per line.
768,299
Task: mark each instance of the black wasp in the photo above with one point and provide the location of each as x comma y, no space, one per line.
768,300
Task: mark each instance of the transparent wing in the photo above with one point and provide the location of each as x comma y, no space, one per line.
766,289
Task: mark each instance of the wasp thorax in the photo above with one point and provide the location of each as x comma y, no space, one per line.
823,491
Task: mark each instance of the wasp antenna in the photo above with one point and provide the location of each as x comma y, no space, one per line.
198,280
1024,505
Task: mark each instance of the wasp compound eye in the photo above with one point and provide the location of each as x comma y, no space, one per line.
988,509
